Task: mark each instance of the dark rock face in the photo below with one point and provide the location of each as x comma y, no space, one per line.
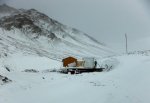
17,21
52,36
31,71
30,21
39,28
34,22
4,80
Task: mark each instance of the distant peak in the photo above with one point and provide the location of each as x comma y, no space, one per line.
4,8
4,5
32,9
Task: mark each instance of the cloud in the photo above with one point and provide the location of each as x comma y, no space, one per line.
147,3
3,1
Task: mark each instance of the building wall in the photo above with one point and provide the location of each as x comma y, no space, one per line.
80,63
89,62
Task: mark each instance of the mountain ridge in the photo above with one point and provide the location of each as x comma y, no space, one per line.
40,30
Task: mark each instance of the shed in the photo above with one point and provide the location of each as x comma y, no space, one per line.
69,62
89,62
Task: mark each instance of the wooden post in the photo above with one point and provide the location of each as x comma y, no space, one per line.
126,43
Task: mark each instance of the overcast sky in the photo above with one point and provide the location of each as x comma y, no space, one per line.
105,20
2,1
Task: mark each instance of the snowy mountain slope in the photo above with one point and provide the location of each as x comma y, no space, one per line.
128,82
37,42
33,32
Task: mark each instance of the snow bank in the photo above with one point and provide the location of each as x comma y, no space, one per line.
127,82
20,62
109,63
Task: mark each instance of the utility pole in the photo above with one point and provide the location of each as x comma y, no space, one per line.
126,43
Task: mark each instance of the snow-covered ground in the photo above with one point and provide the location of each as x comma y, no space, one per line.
127,82
30,53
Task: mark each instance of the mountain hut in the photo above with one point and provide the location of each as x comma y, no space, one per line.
69,62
